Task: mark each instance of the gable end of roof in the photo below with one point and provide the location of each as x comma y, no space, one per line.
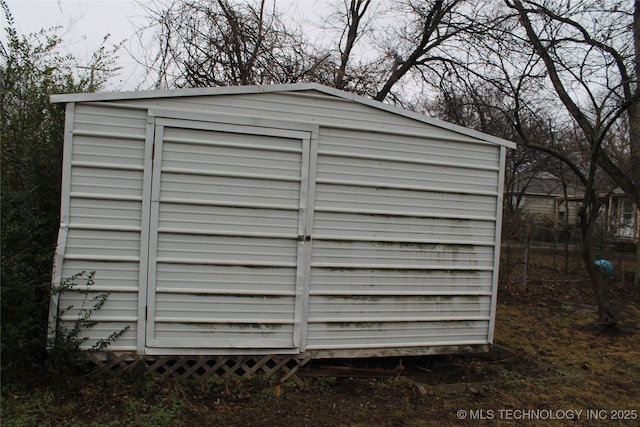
295,87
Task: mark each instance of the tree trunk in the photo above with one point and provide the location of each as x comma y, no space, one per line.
634,130
636,280
601,286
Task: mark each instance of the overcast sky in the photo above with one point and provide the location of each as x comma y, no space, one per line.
85,23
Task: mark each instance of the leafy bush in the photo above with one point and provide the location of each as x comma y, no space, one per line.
31,69
65,356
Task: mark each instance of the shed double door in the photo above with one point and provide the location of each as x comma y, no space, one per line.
228,227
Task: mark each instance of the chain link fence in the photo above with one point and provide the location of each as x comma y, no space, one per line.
535,252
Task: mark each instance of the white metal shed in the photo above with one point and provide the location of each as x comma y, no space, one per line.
284,219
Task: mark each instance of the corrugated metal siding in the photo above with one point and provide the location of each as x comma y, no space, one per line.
225,260
403,241
104,218
373,334
349,308
311,108
413,228
403,226
372,281
120,310
342,252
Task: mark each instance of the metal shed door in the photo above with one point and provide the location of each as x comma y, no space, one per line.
226,244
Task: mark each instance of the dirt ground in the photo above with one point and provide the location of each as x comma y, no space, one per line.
550,366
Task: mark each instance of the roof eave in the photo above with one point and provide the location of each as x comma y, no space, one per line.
296,87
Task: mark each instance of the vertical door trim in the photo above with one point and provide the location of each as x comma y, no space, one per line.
65,213
304,243
153,233
497,243
304,254
145,228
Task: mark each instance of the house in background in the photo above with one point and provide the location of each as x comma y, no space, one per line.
546,199
623,217
543,201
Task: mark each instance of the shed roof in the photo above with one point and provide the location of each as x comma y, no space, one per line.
295,87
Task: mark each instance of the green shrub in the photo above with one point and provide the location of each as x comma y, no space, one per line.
31,69
65,356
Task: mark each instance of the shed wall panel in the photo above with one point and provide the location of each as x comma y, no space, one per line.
119,305
403,244
216,189
102,244
429,148
225,280
390,201
100,180
193,248
402,235
91,212
403,173
393,308
231,220
225,240
110,120
336,335
214,308
103,330
376,227
104,219
311,107
224,335
357,254
108,150
334,281
110,276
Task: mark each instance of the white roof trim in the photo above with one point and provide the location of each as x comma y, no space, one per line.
236,90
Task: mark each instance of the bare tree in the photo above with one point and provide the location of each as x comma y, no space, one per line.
354,17
574,67
373,49
351,59
222,43
420,43
591,64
